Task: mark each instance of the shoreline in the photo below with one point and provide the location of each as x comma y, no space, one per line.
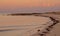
54,22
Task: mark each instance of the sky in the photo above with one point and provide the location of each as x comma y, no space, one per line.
15,6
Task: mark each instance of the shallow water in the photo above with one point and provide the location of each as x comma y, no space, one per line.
20,25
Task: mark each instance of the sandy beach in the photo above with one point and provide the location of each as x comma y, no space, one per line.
20,25
28,25
56,29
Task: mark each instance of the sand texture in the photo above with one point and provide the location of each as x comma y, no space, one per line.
21,25
56,28
28,25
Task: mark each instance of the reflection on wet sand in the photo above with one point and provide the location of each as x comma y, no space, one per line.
20,24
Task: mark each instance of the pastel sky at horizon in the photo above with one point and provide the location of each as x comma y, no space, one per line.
29,5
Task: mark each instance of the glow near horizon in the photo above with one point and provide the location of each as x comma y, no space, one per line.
13,4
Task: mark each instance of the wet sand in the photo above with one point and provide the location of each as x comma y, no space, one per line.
28,25
20,25
21,20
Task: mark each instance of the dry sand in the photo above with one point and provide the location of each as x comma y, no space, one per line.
56,29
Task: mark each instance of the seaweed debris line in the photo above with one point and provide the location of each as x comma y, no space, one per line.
54,21
47,30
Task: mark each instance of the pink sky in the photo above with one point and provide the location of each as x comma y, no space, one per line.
14,4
